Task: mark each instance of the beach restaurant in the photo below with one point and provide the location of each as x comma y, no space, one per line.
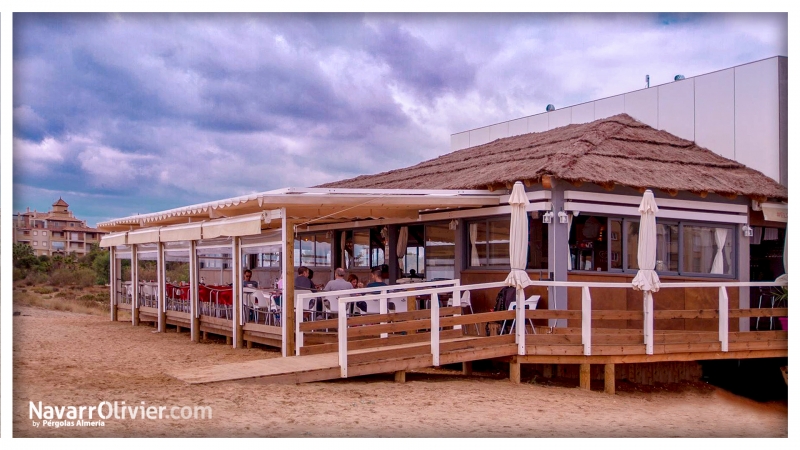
626,244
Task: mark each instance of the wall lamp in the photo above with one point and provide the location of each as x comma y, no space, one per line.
562,217
547,217
747,230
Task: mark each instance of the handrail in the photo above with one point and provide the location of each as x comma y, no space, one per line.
586,311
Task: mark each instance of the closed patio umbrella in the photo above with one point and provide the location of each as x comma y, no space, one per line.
646,279
518,239
518,254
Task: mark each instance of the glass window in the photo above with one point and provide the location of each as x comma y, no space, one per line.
588,244
440,251
488,243
357,249
312,250
666,247
632,244
615,244
537,237
707,250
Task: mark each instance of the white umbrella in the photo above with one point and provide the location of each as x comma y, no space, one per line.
518,240
647,279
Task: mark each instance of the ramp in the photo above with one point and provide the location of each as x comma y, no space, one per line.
325,366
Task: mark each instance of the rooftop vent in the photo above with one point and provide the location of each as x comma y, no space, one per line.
679,77
550,108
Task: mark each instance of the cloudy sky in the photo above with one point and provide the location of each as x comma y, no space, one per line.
125,114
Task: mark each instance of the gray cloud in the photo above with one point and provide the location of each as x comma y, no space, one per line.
140,112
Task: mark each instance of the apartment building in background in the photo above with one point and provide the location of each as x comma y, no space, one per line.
57,231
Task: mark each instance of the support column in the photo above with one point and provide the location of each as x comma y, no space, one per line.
609,379
466,368
112,274
134,286
194,310
514,371
400,376
558,252
236,267
743,244
392,259
585,376
287,302
162,288
460,239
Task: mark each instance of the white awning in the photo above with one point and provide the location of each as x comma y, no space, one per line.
185,232
235,226
775,212
143,236
113,239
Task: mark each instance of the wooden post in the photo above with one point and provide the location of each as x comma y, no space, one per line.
177,328
609,379
236,267
547,371
586,321
205,335
585,379
648,322
466,368
134,286
435,328
287,303
249,344
514,371
520,322
723,318
161,288
112,272
228,340
400,376
194,311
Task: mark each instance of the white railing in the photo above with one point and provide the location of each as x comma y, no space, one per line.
586,310
358,295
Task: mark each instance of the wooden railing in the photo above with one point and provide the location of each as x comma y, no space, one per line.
443,328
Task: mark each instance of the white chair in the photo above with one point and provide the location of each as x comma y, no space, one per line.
530,303
466,302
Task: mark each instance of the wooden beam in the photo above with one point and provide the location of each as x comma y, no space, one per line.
514,371
576,183
643,358
466,368
609,186
400,376
585,378
609,379
527,182
641,189
671,192
730,196
547,181
703,194
509,185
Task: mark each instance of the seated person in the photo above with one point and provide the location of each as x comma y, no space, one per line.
302,281
247,282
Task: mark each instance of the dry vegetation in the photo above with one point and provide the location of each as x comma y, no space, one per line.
85,300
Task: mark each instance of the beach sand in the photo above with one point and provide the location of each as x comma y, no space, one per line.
64,358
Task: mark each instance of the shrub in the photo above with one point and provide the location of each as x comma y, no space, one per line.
43,290
36,278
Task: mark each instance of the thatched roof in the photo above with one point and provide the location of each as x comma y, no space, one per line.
616,150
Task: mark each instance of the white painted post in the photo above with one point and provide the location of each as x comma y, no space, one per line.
161,288
194,305
342,331
285,274
112,273
648,322
134,286
236,291
723,318
298,319
520,322
384,308
457,301
586,321
435,328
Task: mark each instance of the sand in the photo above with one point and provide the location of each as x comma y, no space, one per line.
63,358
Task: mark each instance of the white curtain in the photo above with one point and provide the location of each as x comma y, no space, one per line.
569,230
475,261
720,235
402,246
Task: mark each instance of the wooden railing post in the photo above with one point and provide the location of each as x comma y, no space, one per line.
435,328
520,322
383,305
298,319
723,318
457,300
342,332
648,322
586,321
